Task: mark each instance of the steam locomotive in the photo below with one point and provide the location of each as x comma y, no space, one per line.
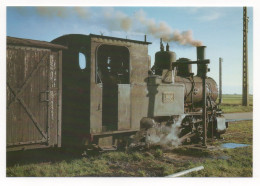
115,98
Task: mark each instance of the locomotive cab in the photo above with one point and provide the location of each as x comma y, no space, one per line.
113,86
112,73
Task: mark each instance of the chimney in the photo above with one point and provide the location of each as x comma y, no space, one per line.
201,53
200,56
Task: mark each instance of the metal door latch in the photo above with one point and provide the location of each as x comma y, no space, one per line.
44,96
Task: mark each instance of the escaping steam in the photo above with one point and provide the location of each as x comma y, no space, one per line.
164,135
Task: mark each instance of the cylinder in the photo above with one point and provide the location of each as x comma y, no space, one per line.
200,56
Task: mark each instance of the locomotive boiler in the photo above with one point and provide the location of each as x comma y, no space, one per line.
94,90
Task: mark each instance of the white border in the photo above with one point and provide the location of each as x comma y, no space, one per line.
131,181
130,2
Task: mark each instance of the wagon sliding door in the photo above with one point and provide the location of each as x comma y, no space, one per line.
32,96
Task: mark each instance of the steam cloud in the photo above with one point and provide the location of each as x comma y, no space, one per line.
118,21
166,135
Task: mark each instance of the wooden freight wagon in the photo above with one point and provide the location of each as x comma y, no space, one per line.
34,81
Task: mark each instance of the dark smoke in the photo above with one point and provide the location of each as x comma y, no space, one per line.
164,31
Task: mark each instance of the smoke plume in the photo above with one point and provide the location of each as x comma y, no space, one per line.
83,13
118,21
52,12
164,31
63,12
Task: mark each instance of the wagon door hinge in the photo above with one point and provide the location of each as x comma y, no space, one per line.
44,96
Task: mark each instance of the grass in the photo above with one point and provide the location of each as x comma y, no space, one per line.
239,132
233,103
154,162
239,163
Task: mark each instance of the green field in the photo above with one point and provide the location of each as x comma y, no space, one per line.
153,162
233,103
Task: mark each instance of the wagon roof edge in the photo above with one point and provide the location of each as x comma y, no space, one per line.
100,36
121,39
35,43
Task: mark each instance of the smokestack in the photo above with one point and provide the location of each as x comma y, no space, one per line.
201,53
144,38
200,56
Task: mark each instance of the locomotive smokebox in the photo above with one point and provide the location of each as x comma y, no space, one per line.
200,56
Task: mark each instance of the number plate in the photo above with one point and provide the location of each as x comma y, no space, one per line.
168,97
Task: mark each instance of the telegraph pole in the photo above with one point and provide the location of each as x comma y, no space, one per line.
245,59
220,80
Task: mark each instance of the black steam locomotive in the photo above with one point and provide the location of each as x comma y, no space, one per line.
115,98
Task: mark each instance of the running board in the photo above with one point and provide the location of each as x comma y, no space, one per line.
112,148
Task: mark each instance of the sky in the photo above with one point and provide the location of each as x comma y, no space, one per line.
218,28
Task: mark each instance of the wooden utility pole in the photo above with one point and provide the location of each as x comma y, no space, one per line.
245,59
220,80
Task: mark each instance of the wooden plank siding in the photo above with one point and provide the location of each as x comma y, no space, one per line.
33,88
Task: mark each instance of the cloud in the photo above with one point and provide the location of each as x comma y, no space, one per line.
210,16
193,10
204,13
